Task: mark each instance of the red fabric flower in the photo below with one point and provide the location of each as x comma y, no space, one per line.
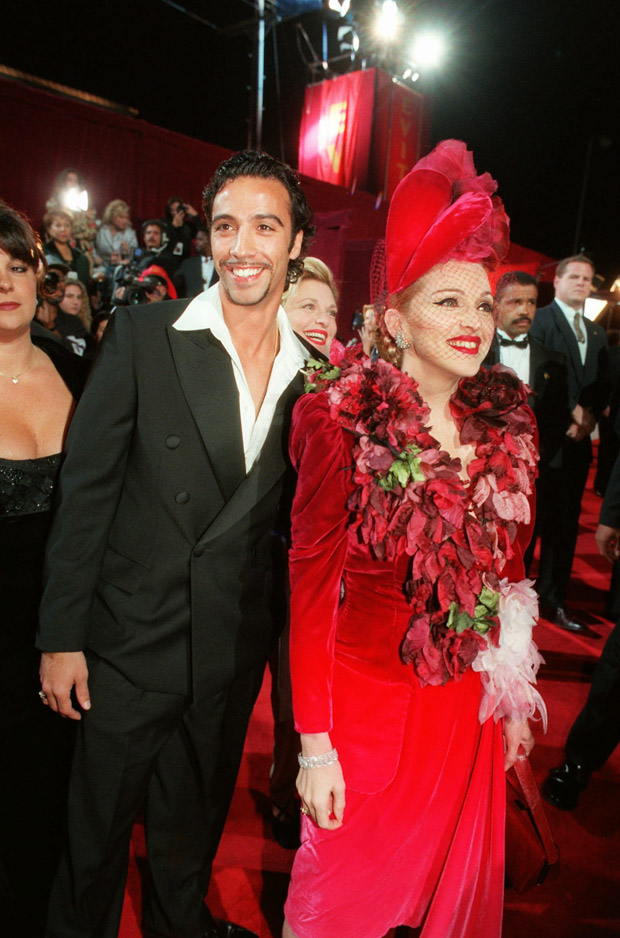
458,537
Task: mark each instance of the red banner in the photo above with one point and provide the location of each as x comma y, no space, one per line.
399,133
336,128
362,130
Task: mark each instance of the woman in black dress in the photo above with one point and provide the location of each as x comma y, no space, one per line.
39,382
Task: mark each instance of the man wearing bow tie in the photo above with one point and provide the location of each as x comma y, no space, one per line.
563,327
544,371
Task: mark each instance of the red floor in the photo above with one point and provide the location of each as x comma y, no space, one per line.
581,901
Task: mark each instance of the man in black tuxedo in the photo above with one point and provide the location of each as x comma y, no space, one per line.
563,327
196,273
596,732
543,369
155,624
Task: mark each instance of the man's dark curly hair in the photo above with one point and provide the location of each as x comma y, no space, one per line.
263,166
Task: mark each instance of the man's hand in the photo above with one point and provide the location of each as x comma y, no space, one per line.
576,433
607,541
583,418
60,671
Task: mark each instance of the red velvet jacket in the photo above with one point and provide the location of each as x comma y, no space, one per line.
348,611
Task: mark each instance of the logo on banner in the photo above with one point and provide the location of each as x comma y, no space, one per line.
332,130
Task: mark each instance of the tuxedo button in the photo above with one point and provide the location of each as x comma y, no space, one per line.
172,441
199,551
181,498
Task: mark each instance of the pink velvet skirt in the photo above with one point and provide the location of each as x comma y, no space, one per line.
427,850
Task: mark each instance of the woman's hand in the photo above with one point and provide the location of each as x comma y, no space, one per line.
517,735
321,789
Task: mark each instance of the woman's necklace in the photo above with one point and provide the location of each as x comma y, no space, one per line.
15,378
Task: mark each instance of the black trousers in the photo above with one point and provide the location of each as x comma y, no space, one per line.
558,506
596,731
177,758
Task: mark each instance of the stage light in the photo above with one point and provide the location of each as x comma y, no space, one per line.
349,40
339,6
388,20
411,73
427,50
593,306
75,200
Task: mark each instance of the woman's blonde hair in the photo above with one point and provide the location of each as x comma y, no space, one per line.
313,269
385,342
112,209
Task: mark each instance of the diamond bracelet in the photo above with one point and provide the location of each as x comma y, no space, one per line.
315,762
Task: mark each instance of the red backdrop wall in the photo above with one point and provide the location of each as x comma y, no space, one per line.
124,157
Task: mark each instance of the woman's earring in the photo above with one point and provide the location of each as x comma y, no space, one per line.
401,341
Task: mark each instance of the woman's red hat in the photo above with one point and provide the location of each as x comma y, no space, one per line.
440,211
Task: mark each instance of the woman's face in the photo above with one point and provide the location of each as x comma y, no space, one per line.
18,294
72,300
312,313
120,220
448,321
71,181
60,229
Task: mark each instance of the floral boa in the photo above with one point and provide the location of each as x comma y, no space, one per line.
410,498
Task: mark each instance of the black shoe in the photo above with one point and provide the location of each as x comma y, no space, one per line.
560,617
285,828
563,785
212,928
221,929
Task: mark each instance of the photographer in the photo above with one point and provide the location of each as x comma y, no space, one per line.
182,223
156,248
49,314
150,286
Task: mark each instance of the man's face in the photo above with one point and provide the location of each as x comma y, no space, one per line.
251,236
574,285
155,294
201,243
516,308
152,237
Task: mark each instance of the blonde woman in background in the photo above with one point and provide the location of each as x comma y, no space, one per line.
311,304
116,239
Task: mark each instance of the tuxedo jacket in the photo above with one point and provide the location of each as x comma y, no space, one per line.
548,380
188,278
159,558
589,383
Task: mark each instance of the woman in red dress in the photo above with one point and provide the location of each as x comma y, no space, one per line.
411,622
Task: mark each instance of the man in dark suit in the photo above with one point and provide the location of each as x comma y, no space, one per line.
596,732
543,369
196,273
563,327
155,623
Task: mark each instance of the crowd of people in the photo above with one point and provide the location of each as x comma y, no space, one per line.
99,263
197,513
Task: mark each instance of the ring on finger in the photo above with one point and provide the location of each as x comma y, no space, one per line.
305,809
43,695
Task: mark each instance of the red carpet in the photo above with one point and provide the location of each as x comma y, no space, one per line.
582,899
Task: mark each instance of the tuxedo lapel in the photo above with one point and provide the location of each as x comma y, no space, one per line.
537,357
268,469
206,376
